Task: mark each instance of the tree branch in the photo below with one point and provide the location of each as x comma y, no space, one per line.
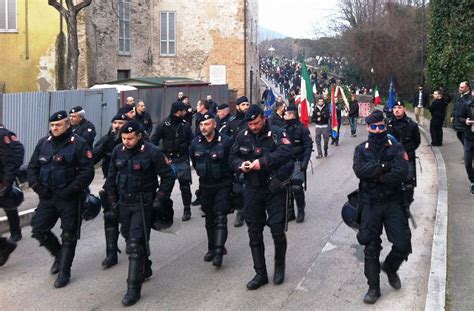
81,5
55,4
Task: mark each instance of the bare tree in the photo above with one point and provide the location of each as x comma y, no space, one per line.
69,13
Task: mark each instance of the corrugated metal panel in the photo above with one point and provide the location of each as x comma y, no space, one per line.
27,114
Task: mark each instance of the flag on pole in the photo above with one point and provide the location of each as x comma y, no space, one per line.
391,95
334,123
269,101
306,95
377,99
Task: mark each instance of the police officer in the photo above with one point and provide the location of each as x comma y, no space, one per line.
60,169
11,158
237,124
143,117
81,126
6,248
406,131
210,157
264,154
302,146
382,167
175,136
102,151
131,185
223,119
277,116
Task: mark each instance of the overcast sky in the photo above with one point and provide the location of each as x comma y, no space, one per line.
297,18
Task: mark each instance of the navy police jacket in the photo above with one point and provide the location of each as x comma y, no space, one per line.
11,155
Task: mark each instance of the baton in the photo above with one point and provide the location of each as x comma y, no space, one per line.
145,233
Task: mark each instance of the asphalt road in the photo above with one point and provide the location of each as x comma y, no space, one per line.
324,261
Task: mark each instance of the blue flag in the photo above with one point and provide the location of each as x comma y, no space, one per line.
391,95
269,101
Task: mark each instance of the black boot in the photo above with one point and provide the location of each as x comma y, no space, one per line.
391,265
210,240
14,223
258,255
220,237
280,253
111,238
6,248
134,286
198,198
51,243
393,278
147,272
372,295
186,213
300,217
68,250
239,219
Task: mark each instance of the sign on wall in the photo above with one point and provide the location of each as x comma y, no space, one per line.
217,74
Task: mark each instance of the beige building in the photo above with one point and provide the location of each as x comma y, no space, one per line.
214,41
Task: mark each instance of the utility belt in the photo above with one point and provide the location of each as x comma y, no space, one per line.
134,198
321,125
176,155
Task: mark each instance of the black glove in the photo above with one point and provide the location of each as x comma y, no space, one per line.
42,191
303,166
5,188
385,167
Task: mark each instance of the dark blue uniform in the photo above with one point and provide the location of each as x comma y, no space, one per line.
382,168
408,134
174,136
211,162
264,197
59,171
131,183
11,158
302,146
144,119
86,130
223,125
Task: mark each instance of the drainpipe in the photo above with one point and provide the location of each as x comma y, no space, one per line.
27,41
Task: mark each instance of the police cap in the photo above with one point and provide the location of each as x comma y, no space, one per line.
222,106
177,106
242,99
399,103
120,117
253,112
76,109
374,117
58,116
130,127
206,116
126,109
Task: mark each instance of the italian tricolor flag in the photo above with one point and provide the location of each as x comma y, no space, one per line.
306,96
377,99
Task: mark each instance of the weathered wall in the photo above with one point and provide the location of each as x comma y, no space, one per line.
29,65
252,49
101,28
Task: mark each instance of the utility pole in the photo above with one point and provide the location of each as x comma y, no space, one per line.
422,71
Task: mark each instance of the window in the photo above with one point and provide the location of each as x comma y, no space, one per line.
8,16
123,74
168,34
124,27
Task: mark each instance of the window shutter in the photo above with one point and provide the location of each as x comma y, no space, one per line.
3,15
11,14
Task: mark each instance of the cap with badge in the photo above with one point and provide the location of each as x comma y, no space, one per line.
253,112
58,116
222,106
242,99
206,116
374,117
130,127
126,109
76,109
120,117
399,103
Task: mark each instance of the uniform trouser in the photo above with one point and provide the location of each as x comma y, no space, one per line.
353,123
262,207
393,218
460,136
111,228
297,181
47,214
215,203
436,130
236,195
468,156
322,131
184,177
13,220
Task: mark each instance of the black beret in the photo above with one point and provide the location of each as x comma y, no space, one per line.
120,116
75,109
292,108
177,106
253,112
58,116
374,117
242,99
222,106
399,103
130,127
206,116
126,109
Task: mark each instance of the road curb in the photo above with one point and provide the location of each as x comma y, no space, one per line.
436,295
